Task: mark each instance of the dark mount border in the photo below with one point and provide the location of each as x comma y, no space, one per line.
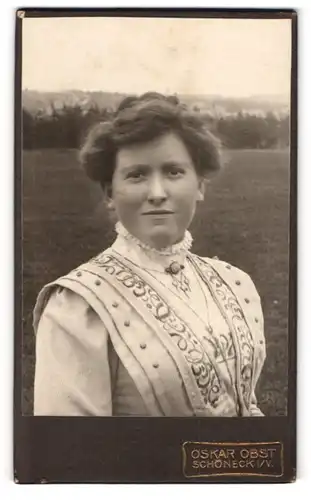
253,13
109,450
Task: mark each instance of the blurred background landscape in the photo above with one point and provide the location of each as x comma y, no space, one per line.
243,220
61,119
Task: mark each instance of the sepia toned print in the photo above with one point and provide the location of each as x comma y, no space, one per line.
156,188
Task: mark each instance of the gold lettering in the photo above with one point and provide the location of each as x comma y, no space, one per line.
250,463
263,453
271,452
248,456
195,453
244,453
210,464
222,454
253,453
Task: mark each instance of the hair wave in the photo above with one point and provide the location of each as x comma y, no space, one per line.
142,119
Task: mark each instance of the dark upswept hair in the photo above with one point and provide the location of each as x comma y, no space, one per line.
142,119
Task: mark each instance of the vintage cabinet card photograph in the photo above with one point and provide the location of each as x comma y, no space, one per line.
155,245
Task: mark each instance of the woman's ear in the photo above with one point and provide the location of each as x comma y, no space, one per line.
108,197
110,204
201,190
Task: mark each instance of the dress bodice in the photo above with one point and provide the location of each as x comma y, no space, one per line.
124,335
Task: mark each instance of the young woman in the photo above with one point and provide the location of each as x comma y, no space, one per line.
147,328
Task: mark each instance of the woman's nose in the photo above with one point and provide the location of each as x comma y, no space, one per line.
157,192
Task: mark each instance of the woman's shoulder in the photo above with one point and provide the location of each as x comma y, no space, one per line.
67,294
233,275
58,301
224,265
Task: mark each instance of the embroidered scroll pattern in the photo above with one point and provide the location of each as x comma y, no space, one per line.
223,347
241,329
202,368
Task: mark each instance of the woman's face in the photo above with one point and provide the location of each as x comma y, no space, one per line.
155,188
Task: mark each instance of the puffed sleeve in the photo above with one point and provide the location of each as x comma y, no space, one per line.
255,411
72,375
259,336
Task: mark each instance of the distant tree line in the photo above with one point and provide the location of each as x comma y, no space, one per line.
66,127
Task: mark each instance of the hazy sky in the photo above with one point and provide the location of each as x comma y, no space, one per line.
231,57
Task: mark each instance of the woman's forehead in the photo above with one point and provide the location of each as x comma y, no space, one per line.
167,147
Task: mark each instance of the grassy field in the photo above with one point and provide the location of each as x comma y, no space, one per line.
244,220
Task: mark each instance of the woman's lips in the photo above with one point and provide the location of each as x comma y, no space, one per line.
158,212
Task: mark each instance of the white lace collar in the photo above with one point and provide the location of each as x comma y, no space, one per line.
148,257
183,246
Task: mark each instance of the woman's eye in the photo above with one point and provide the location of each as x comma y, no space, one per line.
136,176
175,172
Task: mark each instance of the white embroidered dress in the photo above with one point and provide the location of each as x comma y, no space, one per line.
138,332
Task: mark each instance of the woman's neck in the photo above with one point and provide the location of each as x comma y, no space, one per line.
181,247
